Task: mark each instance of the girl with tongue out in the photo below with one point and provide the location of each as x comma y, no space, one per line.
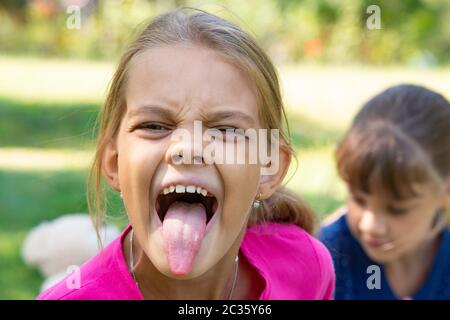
199,229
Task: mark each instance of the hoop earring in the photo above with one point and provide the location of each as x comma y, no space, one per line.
257,203
439,216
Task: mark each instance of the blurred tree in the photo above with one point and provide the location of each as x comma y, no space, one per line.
413,31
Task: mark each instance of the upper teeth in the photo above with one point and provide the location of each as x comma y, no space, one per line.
182,189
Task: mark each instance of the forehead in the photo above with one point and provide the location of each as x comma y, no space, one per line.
181,75
378,193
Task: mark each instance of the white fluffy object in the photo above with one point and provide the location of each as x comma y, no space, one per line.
68,240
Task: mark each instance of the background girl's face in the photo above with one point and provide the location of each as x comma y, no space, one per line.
168,88
387,229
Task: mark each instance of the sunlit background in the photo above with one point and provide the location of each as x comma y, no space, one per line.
53,80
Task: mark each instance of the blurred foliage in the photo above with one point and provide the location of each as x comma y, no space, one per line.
322,31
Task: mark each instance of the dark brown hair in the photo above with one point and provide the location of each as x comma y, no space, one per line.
399,137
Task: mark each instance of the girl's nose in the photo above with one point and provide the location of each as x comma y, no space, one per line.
372,224
184,153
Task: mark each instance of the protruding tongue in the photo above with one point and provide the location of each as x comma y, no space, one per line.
183,229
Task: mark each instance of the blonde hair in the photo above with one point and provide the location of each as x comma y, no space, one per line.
239,48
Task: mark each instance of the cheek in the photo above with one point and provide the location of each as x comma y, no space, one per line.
240,186
137,159
137,163
354,215
413,225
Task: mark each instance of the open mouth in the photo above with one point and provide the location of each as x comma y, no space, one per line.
189,194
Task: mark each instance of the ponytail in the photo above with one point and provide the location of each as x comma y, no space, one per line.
286,207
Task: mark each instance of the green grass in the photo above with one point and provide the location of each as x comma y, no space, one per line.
47,112
30,198
45,125
307,133
54,81
17,281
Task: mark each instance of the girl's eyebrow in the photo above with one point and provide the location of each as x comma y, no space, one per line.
227,115
211,117
150,109
357,192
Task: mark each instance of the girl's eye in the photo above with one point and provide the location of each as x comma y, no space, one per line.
398,211
234,134
153,127
358,200
232,131
227,129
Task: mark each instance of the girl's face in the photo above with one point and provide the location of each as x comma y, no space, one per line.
169,88
387,229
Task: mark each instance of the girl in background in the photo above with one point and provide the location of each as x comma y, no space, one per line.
392,240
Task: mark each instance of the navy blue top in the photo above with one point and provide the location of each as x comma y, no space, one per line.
351,263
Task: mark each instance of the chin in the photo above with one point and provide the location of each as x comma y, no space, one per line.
381,257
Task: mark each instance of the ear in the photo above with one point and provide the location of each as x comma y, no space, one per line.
110,166
269,183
